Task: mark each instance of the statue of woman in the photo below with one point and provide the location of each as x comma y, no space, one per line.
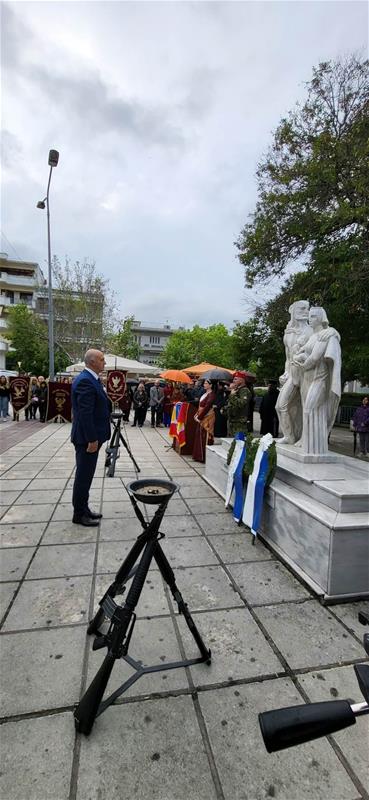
288,405
320,361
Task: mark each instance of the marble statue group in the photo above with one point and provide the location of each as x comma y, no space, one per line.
311,383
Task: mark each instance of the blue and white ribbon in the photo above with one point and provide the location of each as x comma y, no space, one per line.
237,454
256,484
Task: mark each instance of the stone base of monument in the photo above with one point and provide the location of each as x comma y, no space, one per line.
316,517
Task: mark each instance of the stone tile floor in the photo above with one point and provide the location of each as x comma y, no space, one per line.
185,734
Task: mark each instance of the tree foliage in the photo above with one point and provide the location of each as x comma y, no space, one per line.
123,342
29,337
313,210
313,183
212,344
84,306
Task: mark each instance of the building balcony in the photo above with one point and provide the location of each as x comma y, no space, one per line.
9,280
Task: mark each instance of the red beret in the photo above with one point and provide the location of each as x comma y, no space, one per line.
240,374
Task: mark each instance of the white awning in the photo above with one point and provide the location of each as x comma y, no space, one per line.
118,362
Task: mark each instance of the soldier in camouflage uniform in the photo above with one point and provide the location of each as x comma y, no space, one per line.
238,405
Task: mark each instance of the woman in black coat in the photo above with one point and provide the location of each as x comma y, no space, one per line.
140,403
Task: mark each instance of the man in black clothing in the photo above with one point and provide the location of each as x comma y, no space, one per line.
268,414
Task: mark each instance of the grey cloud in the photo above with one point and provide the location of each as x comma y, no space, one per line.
92,100
86,95
11,148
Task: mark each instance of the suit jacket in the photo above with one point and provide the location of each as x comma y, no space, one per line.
90,407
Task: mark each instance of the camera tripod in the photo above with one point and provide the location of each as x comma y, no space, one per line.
112,450
122,617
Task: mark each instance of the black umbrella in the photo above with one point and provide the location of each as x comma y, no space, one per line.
132,382
217,375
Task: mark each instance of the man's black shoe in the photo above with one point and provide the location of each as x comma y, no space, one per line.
88,522
93,514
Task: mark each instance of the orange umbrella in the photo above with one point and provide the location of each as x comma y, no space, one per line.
199,369
175,375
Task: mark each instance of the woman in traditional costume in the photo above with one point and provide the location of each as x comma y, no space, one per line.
205,418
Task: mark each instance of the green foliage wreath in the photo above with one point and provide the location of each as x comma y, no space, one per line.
251,449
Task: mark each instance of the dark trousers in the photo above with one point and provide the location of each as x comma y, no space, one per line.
139,417
85,470
156,414
364,442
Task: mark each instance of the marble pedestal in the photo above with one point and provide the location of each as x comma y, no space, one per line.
316,518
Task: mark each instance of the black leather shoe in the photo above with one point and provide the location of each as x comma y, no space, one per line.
93,514
88,522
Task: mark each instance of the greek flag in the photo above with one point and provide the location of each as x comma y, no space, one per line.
238,456
255,488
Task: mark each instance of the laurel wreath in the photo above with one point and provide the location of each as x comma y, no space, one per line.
251,445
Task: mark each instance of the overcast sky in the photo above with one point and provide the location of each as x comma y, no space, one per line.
160,111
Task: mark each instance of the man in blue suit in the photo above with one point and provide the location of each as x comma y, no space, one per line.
90,429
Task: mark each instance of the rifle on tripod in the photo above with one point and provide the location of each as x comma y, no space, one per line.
123,617
112,450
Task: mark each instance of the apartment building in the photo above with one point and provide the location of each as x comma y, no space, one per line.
151,339
20,282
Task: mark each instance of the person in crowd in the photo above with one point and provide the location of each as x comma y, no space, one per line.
156,404
41,378
220,403
205,417
90,429
198,391
42,399
238,405
250,413
4,398
360,422
33,393
125,403
167,404
268,414
140,403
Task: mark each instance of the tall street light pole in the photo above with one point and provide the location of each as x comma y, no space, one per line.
53,162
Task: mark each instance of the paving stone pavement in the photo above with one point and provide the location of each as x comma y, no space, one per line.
183,734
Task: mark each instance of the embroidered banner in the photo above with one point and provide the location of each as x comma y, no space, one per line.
19,391
59,401
116,385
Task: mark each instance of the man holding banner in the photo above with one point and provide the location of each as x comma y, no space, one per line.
90,429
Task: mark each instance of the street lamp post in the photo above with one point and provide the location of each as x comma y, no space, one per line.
53,162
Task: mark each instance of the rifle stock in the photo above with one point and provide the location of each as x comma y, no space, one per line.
88,707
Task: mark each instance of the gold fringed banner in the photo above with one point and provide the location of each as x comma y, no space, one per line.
19,392
116,385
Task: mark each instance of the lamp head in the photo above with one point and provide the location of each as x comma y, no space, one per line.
40,204
53,158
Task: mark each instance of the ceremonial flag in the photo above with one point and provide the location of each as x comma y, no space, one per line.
116,385
19,390
256,484
177,428
59,401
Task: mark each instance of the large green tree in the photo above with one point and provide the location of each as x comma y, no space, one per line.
312,211
313,183
212,344
28,337
124,341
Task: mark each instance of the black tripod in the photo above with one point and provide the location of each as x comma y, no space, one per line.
123,617
112,451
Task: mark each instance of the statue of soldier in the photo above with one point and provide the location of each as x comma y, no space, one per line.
238,404
289,406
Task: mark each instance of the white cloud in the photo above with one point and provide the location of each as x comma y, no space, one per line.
160,112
